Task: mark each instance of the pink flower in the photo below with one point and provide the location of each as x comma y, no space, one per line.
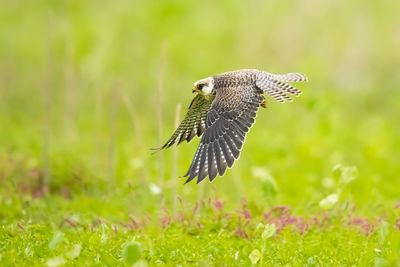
218,205
364,224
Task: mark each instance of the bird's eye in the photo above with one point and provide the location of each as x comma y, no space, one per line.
200,86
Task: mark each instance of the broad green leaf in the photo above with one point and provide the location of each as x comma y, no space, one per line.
132,253
57,238
255,256
269,231
75,251
57,261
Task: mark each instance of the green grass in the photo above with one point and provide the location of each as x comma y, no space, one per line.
86,89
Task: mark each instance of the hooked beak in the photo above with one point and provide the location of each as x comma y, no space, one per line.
195,89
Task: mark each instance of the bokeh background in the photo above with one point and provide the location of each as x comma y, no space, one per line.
88,87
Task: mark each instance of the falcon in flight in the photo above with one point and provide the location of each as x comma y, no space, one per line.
222,113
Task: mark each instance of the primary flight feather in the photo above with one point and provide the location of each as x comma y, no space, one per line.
222,113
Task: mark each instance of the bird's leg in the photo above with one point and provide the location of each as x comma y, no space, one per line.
264,103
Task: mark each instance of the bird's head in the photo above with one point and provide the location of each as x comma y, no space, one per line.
204,86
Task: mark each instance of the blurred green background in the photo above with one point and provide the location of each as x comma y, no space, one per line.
88,87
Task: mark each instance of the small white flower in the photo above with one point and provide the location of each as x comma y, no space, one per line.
329,201
377,250
155,189
54,262
237,255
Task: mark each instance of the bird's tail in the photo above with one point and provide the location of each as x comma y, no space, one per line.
277,85
290,77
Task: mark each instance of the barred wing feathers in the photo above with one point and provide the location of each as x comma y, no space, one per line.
224,135
194,122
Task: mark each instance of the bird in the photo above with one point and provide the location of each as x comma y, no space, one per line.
222,113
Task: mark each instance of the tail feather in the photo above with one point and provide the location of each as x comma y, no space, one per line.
290,77
277,92
277,85
287,88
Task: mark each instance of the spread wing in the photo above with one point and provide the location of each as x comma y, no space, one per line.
194,122
229,119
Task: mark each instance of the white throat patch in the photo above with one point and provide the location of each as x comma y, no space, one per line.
208,86
207,89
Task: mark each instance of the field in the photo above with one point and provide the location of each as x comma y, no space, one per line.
88,88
